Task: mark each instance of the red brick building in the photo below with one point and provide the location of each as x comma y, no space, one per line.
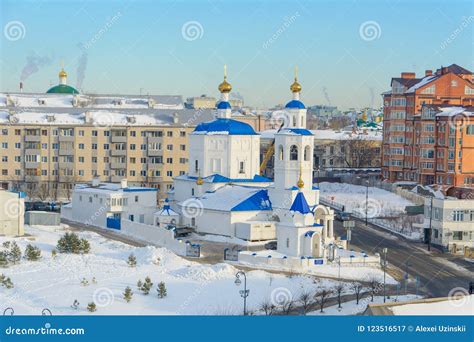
429,128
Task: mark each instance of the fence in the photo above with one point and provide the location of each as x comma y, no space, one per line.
161,237
231,254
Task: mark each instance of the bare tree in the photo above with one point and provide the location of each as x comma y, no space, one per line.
267,307
357,289
43,192
321,298
374,286
287,306
306,299
359,152
340,287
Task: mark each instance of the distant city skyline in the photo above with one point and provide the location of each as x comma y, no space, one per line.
346,52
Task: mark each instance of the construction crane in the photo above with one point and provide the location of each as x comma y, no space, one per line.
269,153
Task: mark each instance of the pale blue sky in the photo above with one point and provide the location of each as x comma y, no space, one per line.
139,46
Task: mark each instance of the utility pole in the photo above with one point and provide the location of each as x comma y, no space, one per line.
366,200
429,229
384,251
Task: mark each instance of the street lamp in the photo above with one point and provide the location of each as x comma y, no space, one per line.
384,252
429,229
366,200
348,225
243,293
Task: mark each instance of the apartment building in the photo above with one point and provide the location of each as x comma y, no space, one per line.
426,139
46,154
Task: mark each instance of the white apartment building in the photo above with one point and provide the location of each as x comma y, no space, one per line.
106,204
452,224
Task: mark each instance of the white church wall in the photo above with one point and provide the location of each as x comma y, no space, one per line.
214,222
255,230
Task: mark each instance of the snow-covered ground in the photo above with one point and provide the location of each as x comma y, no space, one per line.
351,308
226,239
384,208
192,288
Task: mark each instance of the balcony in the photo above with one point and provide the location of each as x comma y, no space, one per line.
154,153
66,138
118,153
156,166
66,165
32,165
118,136
32,138
154,140
32,151
118,165
66,151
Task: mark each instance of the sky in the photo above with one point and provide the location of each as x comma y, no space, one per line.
346,51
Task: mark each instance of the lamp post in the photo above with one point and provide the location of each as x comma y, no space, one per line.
366,200
243,293
384,251
429,228
348,225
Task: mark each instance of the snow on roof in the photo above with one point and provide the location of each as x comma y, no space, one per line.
233,198
100,118
453,111
216,178
327,134
424,81
108,188
461,305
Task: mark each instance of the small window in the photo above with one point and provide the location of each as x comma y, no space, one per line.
136,199
293,152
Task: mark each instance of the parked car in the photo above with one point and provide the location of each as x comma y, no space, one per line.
342,215
271,245
42,206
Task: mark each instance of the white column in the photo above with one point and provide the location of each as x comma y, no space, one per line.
325,228
331,228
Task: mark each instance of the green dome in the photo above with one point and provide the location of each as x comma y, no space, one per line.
62,89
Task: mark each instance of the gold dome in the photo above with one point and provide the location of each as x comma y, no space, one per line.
199,181
62,73
225,86
300,183
295,87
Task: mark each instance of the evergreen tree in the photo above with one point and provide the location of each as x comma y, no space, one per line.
91,307
161,290
32,253
6,281
3,259
54,253
127,295
84,282
6,244
85,246
132,260
71,243
139,284
147,285
15,253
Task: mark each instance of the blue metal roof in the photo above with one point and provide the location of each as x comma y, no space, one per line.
216,178
300,131
226,126
258,201
295,104
310,233
300,205
138,189
223,105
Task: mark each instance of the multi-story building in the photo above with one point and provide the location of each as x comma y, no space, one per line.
422,144
46,154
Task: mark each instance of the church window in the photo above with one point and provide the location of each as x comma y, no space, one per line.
280,152
293,152
294,121
196,166
192,192
307,152
287,243
302,122
241,167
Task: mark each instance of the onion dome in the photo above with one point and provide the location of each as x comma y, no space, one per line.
62,73
300,183
225,86
199,181
296,87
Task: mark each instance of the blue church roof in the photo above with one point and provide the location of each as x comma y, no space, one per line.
300,205
258,201
300,131
225,126
217,178
295,104
223,105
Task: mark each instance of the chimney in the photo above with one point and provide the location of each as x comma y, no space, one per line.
408,75
428,73
123,183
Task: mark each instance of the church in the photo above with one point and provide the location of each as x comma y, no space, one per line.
224,194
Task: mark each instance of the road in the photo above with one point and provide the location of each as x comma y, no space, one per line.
437,273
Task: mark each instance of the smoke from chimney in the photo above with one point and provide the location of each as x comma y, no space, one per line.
81,66
33,64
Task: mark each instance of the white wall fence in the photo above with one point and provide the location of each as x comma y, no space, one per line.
160,237
303,265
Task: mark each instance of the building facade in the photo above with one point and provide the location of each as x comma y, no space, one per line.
413,131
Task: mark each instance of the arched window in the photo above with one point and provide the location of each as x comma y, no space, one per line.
196,165
280,152
294,121
302,122
307,152
293,152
